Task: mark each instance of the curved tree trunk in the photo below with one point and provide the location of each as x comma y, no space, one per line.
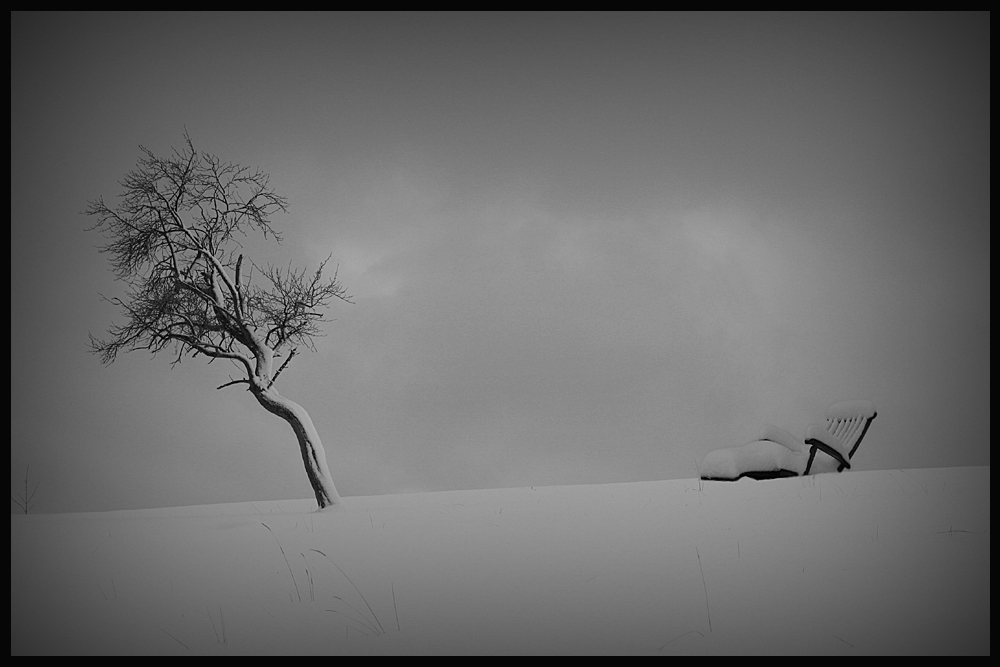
313,455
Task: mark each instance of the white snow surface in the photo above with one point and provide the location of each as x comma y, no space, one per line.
873,562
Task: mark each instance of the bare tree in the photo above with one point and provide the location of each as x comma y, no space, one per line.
24,499
174,240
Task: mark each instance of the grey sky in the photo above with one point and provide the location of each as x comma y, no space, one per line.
583,248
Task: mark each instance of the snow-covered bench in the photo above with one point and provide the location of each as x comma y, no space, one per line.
826,448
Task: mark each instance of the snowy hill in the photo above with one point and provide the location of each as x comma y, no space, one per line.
863,562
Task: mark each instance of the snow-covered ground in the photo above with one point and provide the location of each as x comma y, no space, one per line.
891,561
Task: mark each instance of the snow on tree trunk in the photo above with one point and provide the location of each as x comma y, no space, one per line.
313,454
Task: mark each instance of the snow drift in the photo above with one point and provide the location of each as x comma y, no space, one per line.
891,561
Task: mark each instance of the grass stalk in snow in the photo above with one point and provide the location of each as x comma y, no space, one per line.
355,588
175,639
683,634
395,611
217,640
362,620
312,595
704,586
113,589
286,560
222,621
24,499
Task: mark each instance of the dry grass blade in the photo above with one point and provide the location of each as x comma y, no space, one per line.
352,584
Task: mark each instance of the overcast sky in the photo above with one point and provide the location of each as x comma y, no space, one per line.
582,248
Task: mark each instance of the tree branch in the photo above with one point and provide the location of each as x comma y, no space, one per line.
232,382
291,355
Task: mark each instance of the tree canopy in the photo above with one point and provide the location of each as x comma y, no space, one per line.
174,240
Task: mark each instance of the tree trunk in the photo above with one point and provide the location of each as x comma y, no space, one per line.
313,455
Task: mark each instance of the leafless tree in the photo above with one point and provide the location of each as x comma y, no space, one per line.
24,499
173,239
